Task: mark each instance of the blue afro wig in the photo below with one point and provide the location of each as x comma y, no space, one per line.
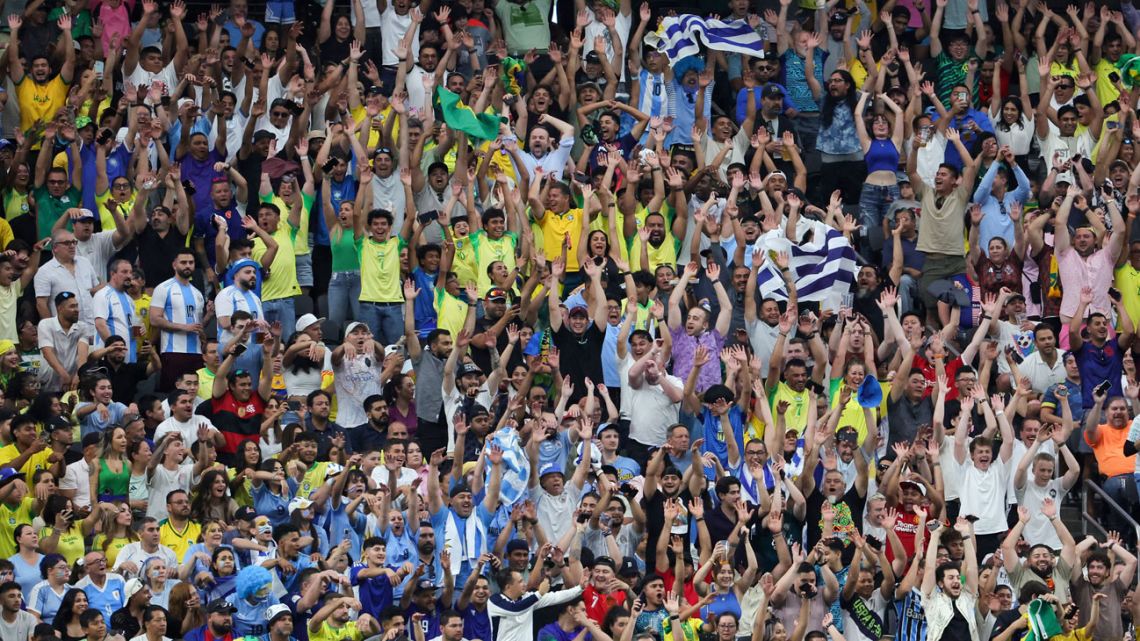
252,579
687,64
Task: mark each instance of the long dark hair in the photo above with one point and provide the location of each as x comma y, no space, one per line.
827,112
64,615
203,496
40,409
301,362
1016,102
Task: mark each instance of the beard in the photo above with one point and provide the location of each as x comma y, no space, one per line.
426,547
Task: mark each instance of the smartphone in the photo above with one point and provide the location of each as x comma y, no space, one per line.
259,338
329,164
428,216
294,405
1114,294
580,177
1112,124
1101,388
105,136
188,187
249,63
98,68
582,518
239,350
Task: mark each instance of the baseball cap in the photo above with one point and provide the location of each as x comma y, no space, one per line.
424,585
86,214
353,326
277,611
514,545
628,568
477,410
550,468
220,606
299,503
918,486
6,144
592,58
306,321
772,91
469,369
60,423
579,310
91,439
459,489
132,588
497,295
245,513
262,134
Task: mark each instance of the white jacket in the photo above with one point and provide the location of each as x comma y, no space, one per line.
513,620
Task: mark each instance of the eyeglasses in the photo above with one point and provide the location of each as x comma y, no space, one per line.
1066,85
122,185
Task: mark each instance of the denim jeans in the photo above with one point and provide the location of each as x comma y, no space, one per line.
281,310
908,293
874,202
1122,489
343,298
384,319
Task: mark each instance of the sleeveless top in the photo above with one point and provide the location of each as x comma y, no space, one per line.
882,155
114,484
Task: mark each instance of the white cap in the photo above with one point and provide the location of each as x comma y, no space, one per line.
306,321
299,503
132,587
353,325
275,611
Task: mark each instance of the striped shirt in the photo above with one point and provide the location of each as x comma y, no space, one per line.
117,308
911,617
232,299
183,304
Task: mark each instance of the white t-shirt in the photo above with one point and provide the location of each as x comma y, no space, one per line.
77,477
356,379
164,481
554,511
1039,529
650,410
876,604
98,250
622,23
188,429
392,30
983,494
142,78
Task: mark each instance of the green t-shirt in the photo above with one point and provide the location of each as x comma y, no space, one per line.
49,208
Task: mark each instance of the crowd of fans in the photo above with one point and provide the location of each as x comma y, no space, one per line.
486,320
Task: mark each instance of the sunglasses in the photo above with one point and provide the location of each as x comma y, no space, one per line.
279,114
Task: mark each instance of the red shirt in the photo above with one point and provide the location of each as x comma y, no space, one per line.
927,368
598,604
906,527
690,592
238,422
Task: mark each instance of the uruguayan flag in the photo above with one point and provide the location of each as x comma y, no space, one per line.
516,466
822,264
677,36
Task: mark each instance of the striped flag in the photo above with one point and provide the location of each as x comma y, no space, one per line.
1043,623
822,264
516,466
677,37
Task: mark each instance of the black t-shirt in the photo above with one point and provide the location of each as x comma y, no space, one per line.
125,380
155,252
957,628
1003,621
482,355
655,520
580,357
814,516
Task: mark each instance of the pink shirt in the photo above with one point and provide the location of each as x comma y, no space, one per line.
114,20
1076,272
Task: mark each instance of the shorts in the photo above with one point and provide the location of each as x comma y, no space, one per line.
280,12
305,270
938,267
